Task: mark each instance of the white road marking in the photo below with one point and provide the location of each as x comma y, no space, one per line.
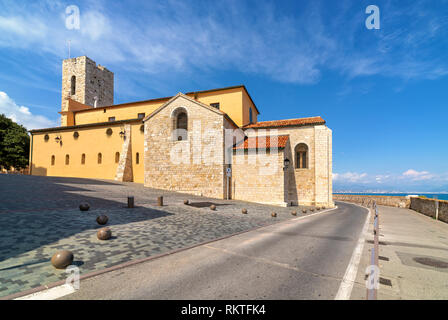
346,287
282,226
50,294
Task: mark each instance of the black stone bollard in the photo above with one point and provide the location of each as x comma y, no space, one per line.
84,207
130,202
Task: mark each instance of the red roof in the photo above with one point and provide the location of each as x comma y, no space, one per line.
287,123
263,142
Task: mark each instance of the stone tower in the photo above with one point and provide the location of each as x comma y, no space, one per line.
85,82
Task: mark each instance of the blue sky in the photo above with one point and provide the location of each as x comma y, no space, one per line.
384,93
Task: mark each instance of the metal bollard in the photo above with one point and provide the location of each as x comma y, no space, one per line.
130,202
160,201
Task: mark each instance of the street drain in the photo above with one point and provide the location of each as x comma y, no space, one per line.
431,262
385,282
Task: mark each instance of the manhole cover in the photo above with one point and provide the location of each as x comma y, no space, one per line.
431,262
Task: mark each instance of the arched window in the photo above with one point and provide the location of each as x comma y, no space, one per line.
53,160
117,157
250,115
100,158
137,158
180,124
83,158
73,85
301,152
67,159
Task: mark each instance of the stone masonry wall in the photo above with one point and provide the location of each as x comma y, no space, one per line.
311,185
392,201
124,169
258,178
195,165
428,207
322,168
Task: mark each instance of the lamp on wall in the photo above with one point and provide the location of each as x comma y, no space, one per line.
122,133
286,163
58,139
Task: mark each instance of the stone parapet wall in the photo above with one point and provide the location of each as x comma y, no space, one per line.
428,208
392,201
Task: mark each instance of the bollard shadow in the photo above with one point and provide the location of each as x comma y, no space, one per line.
40,211
206,204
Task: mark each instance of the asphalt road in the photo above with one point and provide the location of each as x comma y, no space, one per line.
303,258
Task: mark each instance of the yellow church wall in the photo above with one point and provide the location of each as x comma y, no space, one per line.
247,104
91,141
230,102
125,112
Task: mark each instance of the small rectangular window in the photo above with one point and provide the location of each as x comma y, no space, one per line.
111,119
215,105
304,164
141,115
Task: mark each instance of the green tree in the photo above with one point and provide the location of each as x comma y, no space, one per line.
14,144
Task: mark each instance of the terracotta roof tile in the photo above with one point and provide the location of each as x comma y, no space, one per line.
263,142
286,123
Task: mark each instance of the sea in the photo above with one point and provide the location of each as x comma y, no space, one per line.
440,196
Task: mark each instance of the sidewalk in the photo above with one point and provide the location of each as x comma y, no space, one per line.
413,257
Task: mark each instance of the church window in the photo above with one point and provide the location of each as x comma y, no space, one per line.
111,119
117,157
301,152
180,124
215,105
53,160
250,115
137,158
73,85
141,115
100,158
67,159
83,158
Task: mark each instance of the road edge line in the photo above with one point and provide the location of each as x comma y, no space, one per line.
346,286
50,293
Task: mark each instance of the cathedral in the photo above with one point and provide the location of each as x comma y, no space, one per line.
207,143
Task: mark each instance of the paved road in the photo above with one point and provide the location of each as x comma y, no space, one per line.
303,258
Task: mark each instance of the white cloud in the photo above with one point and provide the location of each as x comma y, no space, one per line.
22,114
349,177
417,175
289,47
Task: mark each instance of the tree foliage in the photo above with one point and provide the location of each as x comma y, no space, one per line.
14,144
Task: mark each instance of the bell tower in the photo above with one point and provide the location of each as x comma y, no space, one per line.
86,82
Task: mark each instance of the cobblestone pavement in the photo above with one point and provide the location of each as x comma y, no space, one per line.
40,215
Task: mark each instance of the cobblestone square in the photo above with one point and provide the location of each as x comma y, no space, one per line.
40,215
